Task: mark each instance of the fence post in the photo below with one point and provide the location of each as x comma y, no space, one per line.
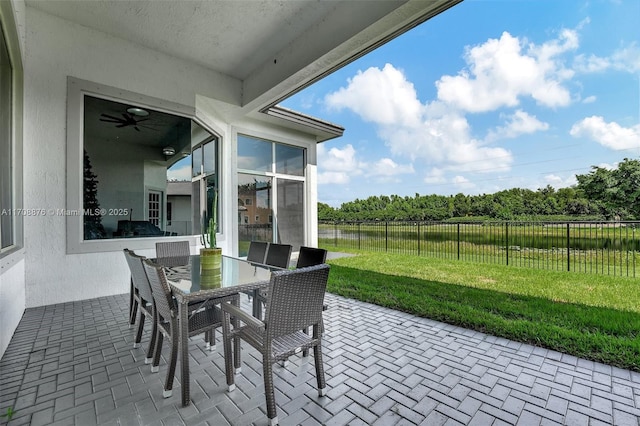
335,233
386,235
418,238
506,239
458,241
568,248
358,235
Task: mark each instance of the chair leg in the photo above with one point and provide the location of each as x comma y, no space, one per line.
305,352
237,358
317,355
133,305
157,351
267,370
228,359
152,342
171,371
212,339
136,342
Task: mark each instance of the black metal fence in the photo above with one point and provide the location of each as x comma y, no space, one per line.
611,248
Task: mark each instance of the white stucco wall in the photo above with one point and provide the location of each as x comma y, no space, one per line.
12,301
12,265
56,49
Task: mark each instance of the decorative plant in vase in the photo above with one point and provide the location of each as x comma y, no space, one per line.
210,255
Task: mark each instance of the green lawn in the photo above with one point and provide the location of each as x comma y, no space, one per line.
590,316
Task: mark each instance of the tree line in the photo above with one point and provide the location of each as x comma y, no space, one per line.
601,194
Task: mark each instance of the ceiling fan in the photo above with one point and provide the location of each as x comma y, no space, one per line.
126,120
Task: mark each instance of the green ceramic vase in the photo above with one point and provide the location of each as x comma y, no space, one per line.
210,262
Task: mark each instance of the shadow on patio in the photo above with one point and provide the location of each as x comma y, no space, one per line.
73,363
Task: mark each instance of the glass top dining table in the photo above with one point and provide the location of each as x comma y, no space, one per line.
191,283
188,278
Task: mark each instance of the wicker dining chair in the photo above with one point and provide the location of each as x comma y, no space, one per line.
257,251
294,303
166,311
310,256
142,301
278,255
172,249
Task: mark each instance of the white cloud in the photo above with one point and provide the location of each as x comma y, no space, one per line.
626,59
590,64
333,177
432,133
608,166
503,70
589,100
435,176
558,181
343,160
337,165
379,96
518,123
462,182
180,174
611,135
386,167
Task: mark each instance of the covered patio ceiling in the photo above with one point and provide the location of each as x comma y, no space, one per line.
267,47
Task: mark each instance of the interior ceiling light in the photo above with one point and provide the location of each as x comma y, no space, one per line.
139,112
168,151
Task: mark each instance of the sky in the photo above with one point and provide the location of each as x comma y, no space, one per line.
487,96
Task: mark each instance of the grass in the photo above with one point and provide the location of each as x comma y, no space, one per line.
590,316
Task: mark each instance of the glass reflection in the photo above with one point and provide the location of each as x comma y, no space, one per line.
254,154
255,215
138,164
289,160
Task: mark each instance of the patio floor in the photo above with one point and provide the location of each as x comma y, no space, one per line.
73,363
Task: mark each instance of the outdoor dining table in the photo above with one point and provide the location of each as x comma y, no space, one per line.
185,278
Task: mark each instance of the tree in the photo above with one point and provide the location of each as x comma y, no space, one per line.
93,228
616,191
326,212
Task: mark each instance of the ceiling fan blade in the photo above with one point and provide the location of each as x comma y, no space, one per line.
141,120
110,121
111,117
148,127
136,127
122,125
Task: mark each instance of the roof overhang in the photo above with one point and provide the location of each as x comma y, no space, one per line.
271,49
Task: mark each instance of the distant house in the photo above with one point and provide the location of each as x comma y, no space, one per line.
178,208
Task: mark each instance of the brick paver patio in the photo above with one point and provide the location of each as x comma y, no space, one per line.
74,363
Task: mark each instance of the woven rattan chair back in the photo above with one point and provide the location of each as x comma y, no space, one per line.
201,320
310,256
164,303
257,251
173,249
295,300
138,275
278,255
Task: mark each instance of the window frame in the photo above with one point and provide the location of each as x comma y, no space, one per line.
202,179
76,90
276,176
8,31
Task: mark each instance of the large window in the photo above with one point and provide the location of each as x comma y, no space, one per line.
205,183
6,150
270,192
139,162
